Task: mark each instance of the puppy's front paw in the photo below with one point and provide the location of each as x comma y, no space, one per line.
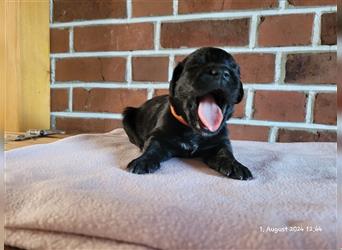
240,172
142,166
235,170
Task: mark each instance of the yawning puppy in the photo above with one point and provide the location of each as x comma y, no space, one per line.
191,120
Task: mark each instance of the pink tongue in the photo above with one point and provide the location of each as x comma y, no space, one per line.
209,113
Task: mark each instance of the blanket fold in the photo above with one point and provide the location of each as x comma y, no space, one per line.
76,194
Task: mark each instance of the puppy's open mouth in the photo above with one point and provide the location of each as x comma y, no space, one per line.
210,110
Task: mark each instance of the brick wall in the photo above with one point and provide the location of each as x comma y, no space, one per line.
106,55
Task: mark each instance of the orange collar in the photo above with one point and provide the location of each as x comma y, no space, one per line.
178,117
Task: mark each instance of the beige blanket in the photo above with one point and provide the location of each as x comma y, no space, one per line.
76,194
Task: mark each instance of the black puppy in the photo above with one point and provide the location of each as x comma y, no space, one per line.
191,120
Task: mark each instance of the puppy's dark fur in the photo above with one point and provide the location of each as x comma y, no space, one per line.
161,136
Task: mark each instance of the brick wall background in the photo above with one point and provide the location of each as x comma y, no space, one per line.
106,55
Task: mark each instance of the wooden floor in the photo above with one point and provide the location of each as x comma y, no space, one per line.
11,144
11,248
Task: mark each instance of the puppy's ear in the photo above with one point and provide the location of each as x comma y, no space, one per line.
175,76
236,69
241,93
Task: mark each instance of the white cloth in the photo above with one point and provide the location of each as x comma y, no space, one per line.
76,194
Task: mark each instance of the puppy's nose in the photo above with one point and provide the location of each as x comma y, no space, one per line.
214,72
220,72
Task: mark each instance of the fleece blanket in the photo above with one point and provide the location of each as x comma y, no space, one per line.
77,194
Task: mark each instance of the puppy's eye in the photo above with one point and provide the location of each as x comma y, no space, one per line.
225,74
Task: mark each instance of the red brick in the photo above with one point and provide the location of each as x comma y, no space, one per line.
178,59
86,125
59,40
66,10
285,135
151,7
246,132
311,2
91,69
135,36
158,92
205,33
240,108
284,30
150,69
192,6
325,108
256,68
59,100
311,68
107,100
279,106
328,29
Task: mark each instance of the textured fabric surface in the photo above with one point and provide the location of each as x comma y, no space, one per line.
76,194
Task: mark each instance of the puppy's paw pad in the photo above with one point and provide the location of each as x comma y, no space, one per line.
139,166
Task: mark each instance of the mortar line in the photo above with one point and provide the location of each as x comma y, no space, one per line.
70,98
182,51
249,104
129,69
175,7
150,93
283,4
129,9
87,115
310,107
171,66
253,36
157,35
273,134
51,11
52,122
279,68
71,40
316,29
247,86
293,125
53,70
